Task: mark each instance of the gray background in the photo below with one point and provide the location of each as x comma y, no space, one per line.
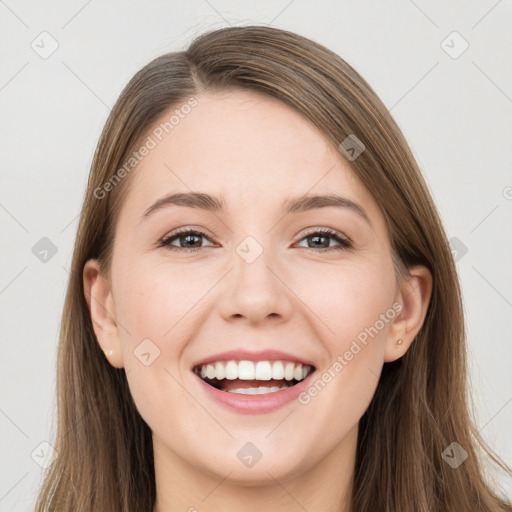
455,111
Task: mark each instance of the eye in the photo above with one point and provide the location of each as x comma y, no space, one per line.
191,238
187,236
320,235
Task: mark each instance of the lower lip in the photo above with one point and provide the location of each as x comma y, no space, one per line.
255,404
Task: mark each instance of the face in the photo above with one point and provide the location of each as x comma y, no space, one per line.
314,285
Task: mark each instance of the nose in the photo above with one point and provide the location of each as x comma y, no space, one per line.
257,289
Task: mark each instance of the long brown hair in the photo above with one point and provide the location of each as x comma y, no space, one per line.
104,448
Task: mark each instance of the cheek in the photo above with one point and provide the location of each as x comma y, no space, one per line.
167,305
356,306
155,308
155,302
350,300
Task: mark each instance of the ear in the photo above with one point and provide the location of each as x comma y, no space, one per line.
413,293
101,306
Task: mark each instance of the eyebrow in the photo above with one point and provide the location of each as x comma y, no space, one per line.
202,201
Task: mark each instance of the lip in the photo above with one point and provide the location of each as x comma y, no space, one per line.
254,404
245,355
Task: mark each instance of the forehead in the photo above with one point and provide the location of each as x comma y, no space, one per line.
246,147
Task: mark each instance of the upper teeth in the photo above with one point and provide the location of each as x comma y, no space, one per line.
248,370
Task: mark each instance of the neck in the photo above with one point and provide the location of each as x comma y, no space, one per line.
325,485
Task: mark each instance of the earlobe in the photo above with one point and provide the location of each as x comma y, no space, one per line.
413,294
101,307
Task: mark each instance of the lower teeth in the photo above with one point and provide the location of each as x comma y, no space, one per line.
256,391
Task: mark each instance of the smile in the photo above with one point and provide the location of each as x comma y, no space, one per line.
253,377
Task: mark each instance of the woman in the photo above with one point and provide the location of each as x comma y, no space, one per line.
307,351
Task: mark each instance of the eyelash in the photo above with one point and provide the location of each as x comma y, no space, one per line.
344,242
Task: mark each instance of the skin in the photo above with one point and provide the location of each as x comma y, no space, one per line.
256,152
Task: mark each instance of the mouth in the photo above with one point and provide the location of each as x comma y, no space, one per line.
246,377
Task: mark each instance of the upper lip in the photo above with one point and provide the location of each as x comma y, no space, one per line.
245,355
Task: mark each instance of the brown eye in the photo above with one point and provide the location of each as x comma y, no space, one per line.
322,238
189,240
